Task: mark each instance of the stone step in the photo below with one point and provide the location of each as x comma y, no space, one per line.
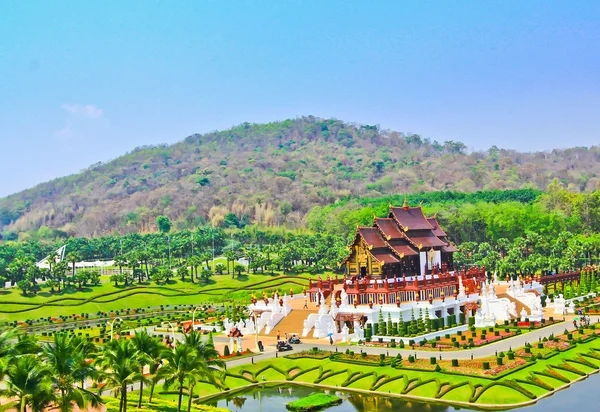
292,324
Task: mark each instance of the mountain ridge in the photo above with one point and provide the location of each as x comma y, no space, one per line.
274,173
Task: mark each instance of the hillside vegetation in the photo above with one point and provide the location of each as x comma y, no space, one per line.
274,174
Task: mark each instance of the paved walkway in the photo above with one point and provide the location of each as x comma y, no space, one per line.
481,352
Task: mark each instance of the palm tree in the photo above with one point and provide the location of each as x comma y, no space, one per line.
119,367
72,257
181,363
149,353
28,380
206,257
88,350
26,344
230,255
50,260
64,362
193,262
120,261
206,352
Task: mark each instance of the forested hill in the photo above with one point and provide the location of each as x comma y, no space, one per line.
274,174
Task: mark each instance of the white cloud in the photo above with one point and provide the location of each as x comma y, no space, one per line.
88,111
65,132
80,119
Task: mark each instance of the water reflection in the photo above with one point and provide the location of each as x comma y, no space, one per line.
582,396
274,399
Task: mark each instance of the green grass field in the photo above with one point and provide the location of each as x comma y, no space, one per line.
106,297
519,386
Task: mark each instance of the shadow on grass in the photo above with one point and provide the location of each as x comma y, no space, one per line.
70,290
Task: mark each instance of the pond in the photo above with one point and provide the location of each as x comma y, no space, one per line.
582,396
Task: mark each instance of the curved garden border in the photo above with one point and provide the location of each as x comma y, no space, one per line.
151,290
491,407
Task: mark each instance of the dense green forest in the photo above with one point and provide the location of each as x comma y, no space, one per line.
511,232
273,175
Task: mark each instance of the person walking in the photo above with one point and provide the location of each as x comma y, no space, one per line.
278,336
305,304
331,340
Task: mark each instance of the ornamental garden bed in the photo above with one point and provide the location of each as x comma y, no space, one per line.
528,325
484,367
543,349
361,358
583,334
313,353
465,340
237,355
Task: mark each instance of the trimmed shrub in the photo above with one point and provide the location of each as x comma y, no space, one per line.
432,360
454,362
486,366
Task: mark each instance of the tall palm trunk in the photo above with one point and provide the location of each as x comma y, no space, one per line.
23,406
180,397
153,370
190,397
151,391
141,391
123,406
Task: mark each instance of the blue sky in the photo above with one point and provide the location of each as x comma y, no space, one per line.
86,81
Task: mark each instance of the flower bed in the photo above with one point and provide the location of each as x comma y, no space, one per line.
548,347
482,337
243,354
378,344
363,358
534,325
465,367
312,354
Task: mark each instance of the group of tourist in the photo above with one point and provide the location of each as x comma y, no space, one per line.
583,320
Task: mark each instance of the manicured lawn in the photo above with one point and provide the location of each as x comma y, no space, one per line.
106,297
515,387
314,401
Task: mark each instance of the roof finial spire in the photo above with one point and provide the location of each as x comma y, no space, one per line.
405,205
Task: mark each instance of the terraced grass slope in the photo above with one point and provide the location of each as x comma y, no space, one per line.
106,297
537,379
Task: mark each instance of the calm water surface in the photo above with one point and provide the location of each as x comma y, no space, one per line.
581,397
